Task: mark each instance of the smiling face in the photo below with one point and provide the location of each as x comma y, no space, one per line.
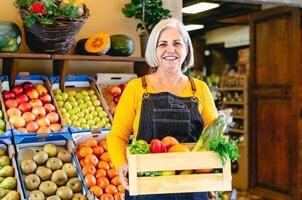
171,49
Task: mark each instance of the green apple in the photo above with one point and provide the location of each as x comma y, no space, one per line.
1,132
2,124
96,103
90,122
82,121
77,109
101,124
58,97
80,101
74,103
86,98
60,103
88,103
68,121
91,92
71,93
72,112
91,108
85,126
74,118
63,110
67,105
105,119
64,96
108,125
83,106
97,120
102,114
93,97
94,113
72,99
80,114
99,108
66,115
84,93
76,124
89,117
86,111
57,91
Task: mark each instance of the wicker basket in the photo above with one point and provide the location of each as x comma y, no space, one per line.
57,38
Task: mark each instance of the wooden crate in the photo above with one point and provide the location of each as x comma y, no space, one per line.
177,183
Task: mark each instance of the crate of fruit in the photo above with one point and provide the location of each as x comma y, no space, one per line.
173,172
10,186
30,108
48,168
100,176
81,104
5,128
111,87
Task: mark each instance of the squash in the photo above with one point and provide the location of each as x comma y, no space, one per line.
10,37
121,45
98,43
80,47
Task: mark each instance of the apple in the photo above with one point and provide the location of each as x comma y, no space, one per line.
35,102
43,121
41,89
44,130
26,85
11,103
39,111
17,90
24,107
32,93
55,127
22,130
122,86
21,98
45,98
28,117
13,111
32,127
8,95
116,99
17,121
115,91
53,117
49,107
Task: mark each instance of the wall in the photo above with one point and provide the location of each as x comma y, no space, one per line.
105,16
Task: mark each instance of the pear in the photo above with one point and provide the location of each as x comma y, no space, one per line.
12,195
74,184
48,188
28,166
53,197
44,173
41,157
59,177
4,160
54,164
65,156
50,149
3,192
2,152
32,182
78,196
36,195
65,193
7,171
70,170
9,183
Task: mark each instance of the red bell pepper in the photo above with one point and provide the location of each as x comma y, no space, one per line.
157,146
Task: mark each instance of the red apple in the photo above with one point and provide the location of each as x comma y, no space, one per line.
25,107
32,127
32,93
13,111
122,86
49,107
21,98
41,89
115,91
17,90
26,85
35,102
43,121
45,98
55,127
44,130
28,117
116,99
17,121
22,130
11,103
53,117
8,95
39,111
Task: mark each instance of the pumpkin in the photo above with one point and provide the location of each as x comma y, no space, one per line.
80,47
121,45
98,43
10,37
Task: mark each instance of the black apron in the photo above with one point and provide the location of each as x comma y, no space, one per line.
164,114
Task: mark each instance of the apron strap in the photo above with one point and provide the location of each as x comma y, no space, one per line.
144,85
193,87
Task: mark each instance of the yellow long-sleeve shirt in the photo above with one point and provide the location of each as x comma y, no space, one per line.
127,115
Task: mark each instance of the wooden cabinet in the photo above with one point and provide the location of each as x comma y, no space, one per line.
275,125
60,63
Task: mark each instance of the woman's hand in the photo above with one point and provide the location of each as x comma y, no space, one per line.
122,173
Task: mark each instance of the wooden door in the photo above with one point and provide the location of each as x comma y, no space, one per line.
275,169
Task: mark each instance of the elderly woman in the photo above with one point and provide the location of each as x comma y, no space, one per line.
163,103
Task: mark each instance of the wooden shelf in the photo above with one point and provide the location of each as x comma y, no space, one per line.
233,103
233,88
237,130
60,63
238,116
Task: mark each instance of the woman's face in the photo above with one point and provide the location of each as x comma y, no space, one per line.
171,50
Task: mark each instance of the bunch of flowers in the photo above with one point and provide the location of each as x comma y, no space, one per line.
46,11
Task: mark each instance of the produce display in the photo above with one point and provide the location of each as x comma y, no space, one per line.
8,182
2,123
10,37
82,109
99,174
30,109
50,174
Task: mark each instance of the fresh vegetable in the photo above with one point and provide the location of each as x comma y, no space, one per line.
149,173
139,147
98,43
121,45
157,146
10,37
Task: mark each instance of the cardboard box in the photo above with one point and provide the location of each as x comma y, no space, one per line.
178,183
79,83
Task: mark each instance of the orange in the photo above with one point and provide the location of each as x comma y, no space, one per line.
111,173
90,180
111,165
115,181
105,156
82,145
179,148
103,144
92,143
121,188
106,197
111,189
97,191
91,159
82,163
103,165
97,151
169,141
88,169
100,173
102,182
85,151
119,196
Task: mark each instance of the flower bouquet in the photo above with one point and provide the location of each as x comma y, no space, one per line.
51,25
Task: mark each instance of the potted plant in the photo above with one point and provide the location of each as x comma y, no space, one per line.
149,13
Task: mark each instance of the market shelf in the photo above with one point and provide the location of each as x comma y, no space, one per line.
233,88
237,130
238,116
233,103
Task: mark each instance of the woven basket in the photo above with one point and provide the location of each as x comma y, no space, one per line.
57,38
